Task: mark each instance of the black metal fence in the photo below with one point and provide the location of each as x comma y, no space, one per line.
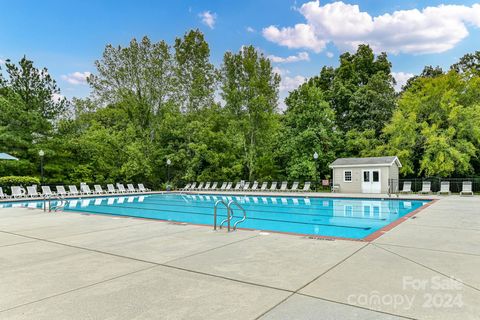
396,185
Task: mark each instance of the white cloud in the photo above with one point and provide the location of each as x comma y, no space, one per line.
77,77
301,56
208,18
291,83
287,84
281,72
401,79
250,29
57,97
300,36
429,30
329,54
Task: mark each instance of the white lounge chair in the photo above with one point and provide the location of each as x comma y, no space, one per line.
121,188
284,186
229,186
407,187
32,192
246,186
73,191
214,186
3,195
200,186
46,191
294,186
207,186
223,186
254,186
238,186
142,188
264,186
426,187
466,188
131,188
61,190
85,189
187,186
111,188
193,186
444,187
273,186
306,186
97,189
17,192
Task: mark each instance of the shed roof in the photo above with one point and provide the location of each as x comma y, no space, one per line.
370,161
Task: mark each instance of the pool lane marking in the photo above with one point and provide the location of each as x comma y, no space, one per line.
262,204
206,214
249,206
246,205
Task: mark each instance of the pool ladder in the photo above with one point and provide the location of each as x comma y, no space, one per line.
230,216
61,203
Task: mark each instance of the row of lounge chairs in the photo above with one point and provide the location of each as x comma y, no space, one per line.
32,191
245,186
444,188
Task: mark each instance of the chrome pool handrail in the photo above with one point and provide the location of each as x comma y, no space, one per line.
232,202
215,215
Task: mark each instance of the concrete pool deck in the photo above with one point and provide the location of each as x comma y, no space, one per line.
75,266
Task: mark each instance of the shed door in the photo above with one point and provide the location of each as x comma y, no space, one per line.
371,181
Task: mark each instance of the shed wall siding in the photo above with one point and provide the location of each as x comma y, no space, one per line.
394,175
356,185
394,171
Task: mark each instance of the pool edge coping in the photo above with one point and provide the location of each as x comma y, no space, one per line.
371,237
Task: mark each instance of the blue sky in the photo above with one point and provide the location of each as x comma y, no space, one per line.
67,36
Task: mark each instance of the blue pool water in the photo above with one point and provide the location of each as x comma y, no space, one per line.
336,217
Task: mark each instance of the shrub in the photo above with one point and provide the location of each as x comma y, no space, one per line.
7,182
165,185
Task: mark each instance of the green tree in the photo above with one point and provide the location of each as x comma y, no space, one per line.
309,124
195,75
435,129
249,88
137,77
30,107
36,88
360,90
427,72
468,63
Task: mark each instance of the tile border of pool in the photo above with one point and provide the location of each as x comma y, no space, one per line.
368,238
395,223
371,237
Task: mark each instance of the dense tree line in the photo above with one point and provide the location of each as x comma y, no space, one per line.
153,101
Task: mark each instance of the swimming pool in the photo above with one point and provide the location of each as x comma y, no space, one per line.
331,217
